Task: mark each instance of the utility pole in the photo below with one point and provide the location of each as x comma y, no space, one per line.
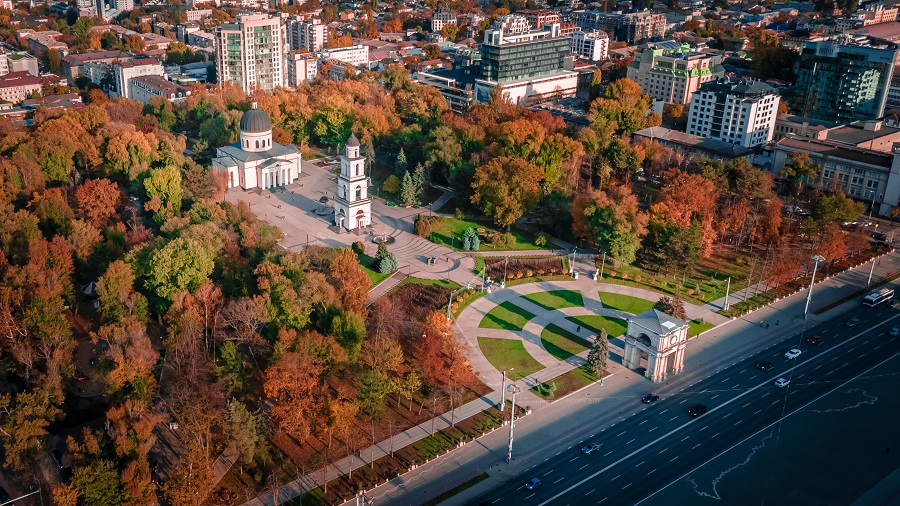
727,289
503,393
871,271
514,389
602,265
504,270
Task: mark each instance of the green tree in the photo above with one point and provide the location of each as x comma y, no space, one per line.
230,369
400,165
182,265
598,356
349,330
391,184
418,181
115,289
99,484
596,85
506,188
372,387
799,170
408,190
246,433
164,191
837,209
775,62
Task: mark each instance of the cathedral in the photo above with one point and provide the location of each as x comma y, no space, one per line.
352,205
256,161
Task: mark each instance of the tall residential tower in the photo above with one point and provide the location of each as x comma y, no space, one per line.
251,52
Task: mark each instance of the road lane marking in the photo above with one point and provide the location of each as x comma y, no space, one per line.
835,349
617,477
716,434
663,411
628,443
548,472
653,471
726,416
559,480
696,446
573,459
653,429
663,451
758,411
686,438
779,420
674,417
626,486
591,492
619,434
713,397
642,423
608,454
582,467
682,402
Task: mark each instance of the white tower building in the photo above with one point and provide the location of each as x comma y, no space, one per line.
352,206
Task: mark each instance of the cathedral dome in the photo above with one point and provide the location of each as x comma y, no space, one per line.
352,142
255,121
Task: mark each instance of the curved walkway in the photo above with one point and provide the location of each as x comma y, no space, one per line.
469,320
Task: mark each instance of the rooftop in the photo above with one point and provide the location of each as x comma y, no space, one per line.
658,322
712,146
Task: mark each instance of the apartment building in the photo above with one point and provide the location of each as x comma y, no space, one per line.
540,17
356,55
873,14
593,44
251,52
145,88
125,71
672,71
19,61
632,28
843,79
735,110
309,34
442,17
301,68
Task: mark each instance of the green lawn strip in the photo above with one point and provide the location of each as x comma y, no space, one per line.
615,327
449,231
506,316
561,343
367,262
451,285
457,489
509,355
698,326
566,383
556,299
627,303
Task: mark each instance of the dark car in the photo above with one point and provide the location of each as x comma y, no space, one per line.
650,398
764,366
852,322
591,448
533,484
697,410
814,339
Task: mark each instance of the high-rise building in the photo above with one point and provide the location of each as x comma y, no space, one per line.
735,110
671,71
309,34
632,28
843,80
593,44
528,63
251,52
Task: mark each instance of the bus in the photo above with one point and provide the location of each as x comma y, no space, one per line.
875,298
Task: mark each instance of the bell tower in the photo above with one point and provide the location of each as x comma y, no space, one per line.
352,206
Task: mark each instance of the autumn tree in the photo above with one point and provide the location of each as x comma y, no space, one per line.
506,188
164,191
350,281
291,382
613,220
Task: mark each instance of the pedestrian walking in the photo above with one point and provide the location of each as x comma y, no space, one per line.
767,325
578,329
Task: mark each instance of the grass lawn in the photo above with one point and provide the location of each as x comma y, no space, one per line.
561,343
627,303
374,276
449,231
556,299
509,355
698,326
615,327
566,383
506,316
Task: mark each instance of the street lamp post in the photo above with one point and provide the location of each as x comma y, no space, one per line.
872,207
817,258
513,389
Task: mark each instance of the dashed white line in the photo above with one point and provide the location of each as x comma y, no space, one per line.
673,459
653,429
663,451
608,454
663,411
559,480
682,402
696,446
745,405
674,417
726,416
617,477
573,459
758,411
686,438
704,428
628,443
591,492
716,434
582,467
626,486
548,472
715,396
619,434
653,471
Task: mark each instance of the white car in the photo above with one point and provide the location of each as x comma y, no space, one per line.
895,331
791,355
781,382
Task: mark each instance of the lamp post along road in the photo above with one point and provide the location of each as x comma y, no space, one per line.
817,258
727,289
513,389
503,392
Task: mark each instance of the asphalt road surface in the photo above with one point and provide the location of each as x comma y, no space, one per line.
823,439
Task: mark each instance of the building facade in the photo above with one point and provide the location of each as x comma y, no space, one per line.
302,68
125,71
251,52
841,80
512,50
633,28
442,17
309,34
145,88
18,62
256,161
356,55
593,45
352,205
671,71
736,110
873,14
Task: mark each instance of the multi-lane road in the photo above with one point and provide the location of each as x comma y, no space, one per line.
662,454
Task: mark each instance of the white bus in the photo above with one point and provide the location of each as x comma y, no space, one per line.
875,298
